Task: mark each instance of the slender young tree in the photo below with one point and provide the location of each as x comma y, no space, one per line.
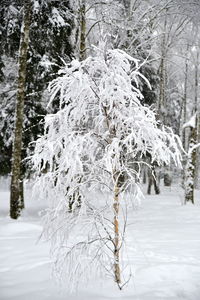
96,142
16,197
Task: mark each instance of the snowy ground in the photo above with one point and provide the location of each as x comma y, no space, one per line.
164,243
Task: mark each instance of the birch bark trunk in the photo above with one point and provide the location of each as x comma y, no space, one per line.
16,203
184,104
196,179
198,152
117,272
190,167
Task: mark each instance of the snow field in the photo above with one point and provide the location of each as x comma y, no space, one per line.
163,244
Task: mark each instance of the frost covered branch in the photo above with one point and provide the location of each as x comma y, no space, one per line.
88,161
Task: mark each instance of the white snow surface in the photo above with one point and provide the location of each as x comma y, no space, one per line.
163,244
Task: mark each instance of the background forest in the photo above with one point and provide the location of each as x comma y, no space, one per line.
162,35
72,76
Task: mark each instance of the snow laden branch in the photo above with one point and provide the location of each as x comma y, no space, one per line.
88,162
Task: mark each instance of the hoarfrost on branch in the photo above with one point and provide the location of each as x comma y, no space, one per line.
96,141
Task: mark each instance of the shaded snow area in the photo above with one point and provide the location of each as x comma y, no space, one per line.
163,244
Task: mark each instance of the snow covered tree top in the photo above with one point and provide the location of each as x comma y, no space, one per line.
101,124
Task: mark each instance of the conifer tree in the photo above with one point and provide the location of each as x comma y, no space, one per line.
52,23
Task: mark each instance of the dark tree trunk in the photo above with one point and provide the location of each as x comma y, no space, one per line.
16,197
144,179
82,31
162,75
167,179
153,180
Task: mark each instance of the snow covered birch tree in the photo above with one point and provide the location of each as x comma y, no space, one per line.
16,197
191,159
95,144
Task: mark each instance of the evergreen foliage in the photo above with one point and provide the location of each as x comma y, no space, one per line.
50,32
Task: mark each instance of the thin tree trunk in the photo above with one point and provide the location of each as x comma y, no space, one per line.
190,167
15,195
162,87
21,186
196,179
144,179
117,272
161,103
82,31
184,104
153,180
196,82
198,153
184,116
150,181
156,186
167,179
